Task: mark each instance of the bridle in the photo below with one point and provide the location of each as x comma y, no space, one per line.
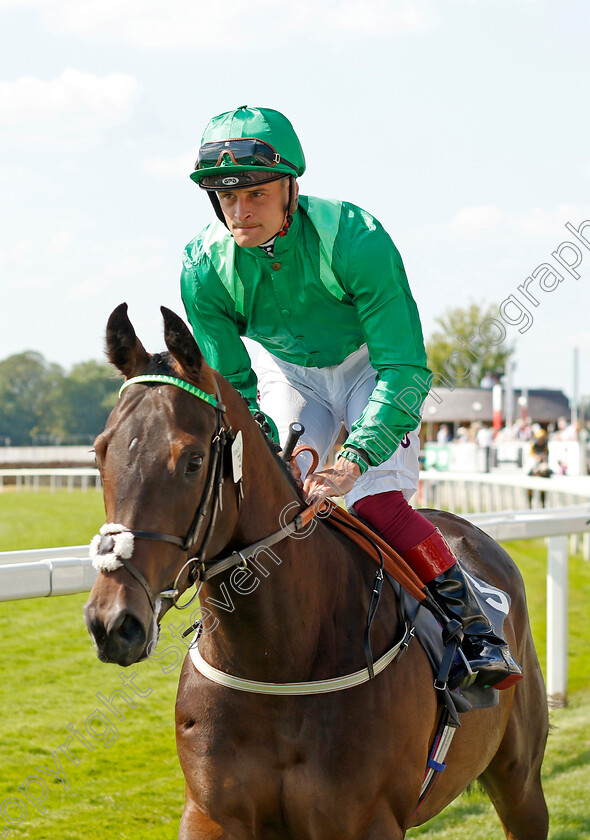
105,546
211,504
210,500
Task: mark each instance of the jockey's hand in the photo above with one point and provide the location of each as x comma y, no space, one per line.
336,481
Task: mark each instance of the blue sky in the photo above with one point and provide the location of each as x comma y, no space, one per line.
461,124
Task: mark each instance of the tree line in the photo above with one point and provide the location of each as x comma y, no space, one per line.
42,404
456,351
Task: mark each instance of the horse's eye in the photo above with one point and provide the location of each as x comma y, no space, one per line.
194,464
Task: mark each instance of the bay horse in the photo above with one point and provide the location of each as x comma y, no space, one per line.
339,765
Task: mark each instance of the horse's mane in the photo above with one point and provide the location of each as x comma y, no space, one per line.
275,450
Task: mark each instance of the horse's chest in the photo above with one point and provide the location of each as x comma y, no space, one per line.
298,768
269,775
268,797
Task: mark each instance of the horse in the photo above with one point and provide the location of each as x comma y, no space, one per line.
337,765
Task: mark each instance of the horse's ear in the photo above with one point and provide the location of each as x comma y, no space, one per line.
124,349
180,342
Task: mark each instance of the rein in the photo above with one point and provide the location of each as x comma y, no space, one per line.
113,548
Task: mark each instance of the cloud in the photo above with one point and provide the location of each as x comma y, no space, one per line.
22,251
377,17
33,281
540,222
579,339
60,242
23,255
89,288
190,24
74,109
132,266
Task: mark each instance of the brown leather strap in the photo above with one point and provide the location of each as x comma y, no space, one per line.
372,544
314,456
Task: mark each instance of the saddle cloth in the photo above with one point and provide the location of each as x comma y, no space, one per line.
494,604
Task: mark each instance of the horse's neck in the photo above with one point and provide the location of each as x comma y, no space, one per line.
274,614
305,595
268,621
298,612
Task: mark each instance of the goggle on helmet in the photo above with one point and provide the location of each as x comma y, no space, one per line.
247,146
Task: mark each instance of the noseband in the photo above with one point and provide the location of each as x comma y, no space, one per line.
106,557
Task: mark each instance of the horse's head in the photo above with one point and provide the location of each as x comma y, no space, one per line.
162,458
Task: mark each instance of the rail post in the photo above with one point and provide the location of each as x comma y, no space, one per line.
557,569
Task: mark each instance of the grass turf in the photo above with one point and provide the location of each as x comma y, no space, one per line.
46,519
130,785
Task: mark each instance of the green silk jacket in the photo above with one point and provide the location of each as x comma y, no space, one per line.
335,282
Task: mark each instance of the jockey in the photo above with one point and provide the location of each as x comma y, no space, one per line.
322,288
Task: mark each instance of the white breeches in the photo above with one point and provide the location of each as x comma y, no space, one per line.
324,398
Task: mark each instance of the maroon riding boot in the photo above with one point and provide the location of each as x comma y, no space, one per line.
488,655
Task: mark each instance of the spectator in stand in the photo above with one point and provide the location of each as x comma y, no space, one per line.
444,434
565,430
506,434
485,436
540,455
462,435
540,452
526,433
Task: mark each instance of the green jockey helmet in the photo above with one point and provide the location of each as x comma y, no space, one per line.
245,147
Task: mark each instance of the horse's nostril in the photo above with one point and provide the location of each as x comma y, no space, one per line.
95,626
131,631
119,638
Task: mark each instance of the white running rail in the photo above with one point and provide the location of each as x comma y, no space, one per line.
54,478
64,571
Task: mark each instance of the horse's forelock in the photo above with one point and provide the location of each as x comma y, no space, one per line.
164,363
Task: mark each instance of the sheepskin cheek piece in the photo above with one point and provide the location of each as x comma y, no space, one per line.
112,542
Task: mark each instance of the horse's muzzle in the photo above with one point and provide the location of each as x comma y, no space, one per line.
120,638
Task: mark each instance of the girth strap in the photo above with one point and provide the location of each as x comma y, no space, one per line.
373,605
302,688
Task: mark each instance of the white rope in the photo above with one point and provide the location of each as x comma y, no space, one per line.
292,689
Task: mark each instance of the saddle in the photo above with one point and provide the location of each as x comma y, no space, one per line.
412,594
440,651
